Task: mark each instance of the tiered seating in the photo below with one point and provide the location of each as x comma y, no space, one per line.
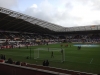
37,69
10,69
58,70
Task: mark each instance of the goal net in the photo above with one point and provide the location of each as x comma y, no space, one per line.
51,54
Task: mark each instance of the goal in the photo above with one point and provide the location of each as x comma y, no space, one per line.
51,54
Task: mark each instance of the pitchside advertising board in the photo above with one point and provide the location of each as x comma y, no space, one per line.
86,45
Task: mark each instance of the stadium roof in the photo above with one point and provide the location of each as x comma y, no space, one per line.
15,21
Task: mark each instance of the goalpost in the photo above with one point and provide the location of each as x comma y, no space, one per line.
36,53
45,54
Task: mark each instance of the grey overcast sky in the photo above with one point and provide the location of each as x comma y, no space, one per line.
67,13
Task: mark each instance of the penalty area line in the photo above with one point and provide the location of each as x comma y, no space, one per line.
91,60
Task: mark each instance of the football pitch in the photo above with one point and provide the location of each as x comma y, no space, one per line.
85,60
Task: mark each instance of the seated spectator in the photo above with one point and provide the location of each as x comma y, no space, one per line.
44,63
4,57
23,64
10,61
47,63
1,56
18,63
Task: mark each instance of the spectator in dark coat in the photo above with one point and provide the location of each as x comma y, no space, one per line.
10,61
4,57
47,63
44,63
18,63
1,56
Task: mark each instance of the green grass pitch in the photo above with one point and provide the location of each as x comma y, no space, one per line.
85,60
